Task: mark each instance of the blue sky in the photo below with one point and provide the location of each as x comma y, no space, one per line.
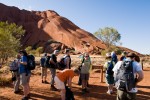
130,17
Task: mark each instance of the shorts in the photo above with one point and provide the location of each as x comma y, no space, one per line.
109,79
85,76
59,84
43,71
24,79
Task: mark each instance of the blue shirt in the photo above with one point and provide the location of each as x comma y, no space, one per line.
22,68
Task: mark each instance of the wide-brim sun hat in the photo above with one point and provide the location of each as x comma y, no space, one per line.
131,54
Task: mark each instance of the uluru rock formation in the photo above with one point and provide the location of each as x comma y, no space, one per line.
44,26
51,31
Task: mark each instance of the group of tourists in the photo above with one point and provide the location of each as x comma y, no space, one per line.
125,74
21,74
117,73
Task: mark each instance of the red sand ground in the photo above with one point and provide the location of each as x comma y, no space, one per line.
98,90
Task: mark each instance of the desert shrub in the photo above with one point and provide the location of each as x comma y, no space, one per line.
5,81
103,52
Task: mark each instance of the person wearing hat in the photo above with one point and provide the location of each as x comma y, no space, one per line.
123,56
67,59
108,66
137,70
64,76
53,67
114,57
24,75
43,68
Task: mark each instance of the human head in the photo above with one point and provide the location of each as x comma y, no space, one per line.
112,53
56,52
23,52
76,71
18,56
86,55
124,53
45,54
131,55
108,56
67,51
137,58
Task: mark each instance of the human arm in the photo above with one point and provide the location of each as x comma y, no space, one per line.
23,61
67,62
70,82
52,60
140,76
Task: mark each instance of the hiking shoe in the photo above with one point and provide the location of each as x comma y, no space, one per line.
109,92
25,98
28,96
16,92
46,82
53,88
79,84
86,90
83,91
42,81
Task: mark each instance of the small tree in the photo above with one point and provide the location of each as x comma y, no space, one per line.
28,49
109,36
10,35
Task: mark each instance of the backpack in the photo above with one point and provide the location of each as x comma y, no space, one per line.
114,58
14,66
30,62
43,61
61,63
125,80
69,94
47,63
109,68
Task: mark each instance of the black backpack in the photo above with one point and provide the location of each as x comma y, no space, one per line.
43,61
125,80
69,94
47,62
61,63
110,67
30,62
14,66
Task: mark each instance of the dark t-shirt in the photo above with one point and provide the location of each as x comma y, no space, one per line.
54,58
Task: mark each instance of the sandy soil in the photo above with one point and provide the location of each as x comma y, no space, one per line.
97,90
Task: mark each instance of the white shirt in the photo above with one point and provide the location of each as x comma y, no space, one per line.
136,68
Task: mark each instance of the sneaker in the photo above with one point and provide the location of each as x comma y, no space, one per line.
83,91
42,81
25,98
111,91
86,90
108,92
46,82
16,92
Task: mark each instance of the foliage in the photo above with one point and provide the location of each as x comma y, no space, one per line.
10,35
5,81
32,51
28,49
109,36
39,50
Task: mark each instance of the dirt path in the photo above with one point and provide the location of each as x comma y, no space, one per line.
98,90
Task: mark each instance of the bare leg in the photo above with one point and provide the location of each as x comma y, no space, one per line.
63,94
